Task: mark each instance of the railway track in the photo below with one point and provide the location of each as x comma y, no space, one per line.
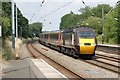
37,54
104,65
101,63
107,62
109,57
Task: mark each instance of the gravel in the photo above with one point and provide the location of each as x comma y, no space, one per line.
77,66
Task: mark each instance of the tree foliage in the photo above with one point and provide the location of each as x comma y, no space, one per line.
92,17
6,24
118,22
110,26
70,20
7,21
35,29
98,10
95,23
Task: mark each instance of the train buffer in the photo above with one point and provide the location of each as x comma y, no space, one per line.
30,68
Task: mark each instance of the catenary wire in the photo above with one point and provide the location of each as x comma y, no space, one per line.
57,9
36,11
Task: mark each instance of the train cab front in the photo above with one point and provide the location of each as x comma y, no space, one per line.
87,43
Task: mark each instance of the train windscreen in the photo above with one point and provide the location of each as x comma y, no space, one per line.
86,34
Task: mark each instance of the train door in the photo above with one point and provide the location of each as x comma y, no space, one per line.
63,38
73,39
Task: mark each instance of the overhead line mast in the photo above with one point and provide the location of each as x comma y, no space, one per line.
16,24
13,27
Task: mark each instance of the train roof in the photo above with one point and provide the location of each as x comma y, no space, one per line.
84,29
74,29
50,32
78,29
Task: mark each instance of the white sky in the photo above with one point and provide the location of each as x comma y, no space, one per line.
29,7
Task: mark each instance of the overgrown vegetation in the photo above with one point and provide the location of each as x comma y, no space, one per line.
7,21
7,50
92,17
7,29
23,26
24,30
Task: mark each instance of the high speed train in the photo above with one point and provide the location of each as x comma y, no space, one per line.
75,42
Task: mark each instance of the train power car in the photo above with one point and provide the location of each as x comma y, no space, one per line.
77,42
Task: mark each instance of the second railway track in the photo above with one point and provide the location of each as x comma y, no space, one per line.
104,65
108,58
110,63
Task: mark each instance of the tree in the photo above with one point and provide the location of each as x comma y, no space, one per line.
85,12
98,10
35,29
95,23
6,27
7,21
110,27
70,20
111,24
118,22
23,25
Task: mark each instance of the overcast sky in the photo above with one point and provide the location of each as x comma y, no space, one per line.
51,22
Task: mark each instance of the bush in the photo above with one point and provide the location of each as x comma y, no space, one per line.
8,54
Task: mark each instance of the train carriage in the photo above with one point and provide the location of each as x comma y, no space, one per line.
77,42
51,39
